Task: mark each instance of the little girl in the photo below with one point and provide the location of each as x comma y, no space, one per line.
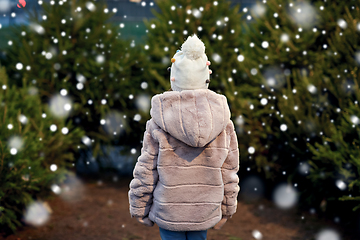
185,179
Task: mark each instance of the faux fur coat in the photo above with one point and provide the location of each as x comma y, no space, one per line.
186,176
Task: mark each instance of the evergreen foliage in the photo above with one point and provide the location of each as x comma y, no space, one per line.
306,60
28,147
217,25
71,45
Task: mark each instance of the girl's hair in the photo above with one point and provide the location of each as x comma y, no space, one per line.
170,89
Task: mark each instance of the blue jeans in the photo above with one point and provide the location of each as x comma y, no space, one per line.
189,235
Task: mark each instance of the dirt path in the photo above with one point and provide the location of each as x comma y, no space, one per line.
95,210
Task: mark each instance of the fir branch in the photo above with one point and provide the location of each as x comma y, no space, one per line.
2,157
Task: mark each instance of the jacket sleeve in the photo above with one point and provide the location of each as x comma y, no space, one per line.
145,175
229,171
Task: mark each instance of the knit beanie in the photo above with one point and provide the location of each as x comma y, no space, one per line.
190,66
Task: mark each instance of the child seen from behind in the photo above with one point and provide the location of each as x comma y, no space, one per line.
185,179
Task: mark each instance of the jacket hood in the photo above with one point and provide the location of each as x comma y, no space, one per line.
195,117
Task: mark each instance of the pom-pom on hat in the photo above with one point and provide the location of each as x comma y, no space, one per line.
190,66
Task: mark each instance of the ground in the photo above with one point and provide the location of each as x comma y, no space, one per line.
93,209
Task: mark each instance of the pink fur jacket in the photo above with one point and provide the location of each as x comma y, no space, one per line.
186,176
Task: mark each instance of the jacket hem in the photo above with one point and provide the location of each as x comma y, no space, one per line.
185,226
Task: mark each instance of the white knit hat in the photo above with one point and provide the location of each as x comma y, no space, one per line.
190,66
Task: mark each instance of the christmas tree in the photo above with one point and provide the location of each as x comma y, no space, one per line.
215,23
304,56
36,150
82,68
